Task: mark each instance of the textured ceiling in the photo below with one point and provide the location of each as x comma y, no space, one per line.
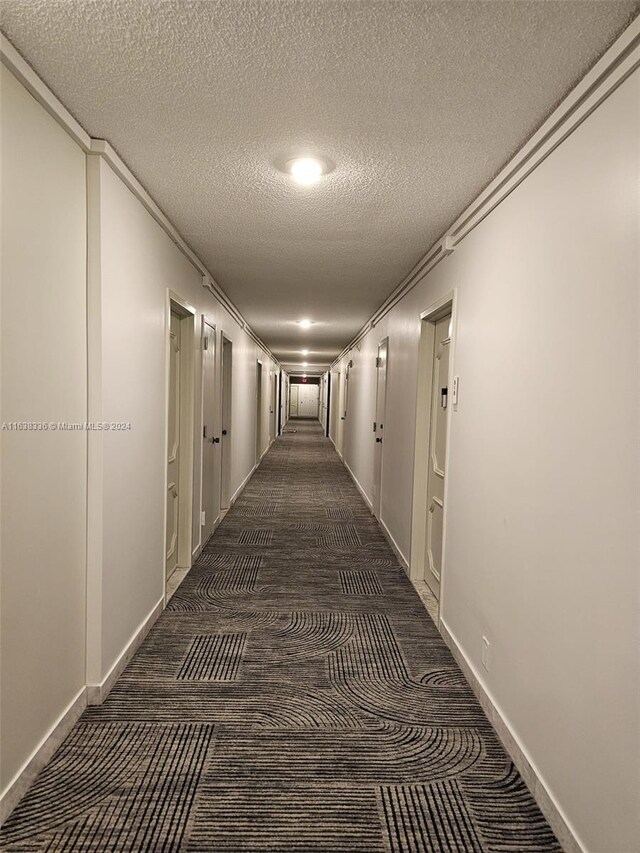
418,104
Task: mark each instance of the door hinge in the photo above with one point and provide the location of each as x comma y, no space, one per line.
378,361
204,431
374,426
206,342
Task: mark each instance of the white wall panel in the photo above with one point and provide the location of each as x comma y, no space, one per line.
543,499
139,263
44,379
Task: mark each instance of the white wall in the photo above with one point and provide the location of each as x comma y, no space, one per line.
139,263
85,275
43,379
542,551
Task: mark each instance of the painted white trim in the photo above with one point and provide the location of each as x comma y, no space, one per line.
558,821
97,693
12,60
440,307
95,438
205,320
613,68
357,484
394,546
335,446
188,323
241,487
383,527
25,777
36,87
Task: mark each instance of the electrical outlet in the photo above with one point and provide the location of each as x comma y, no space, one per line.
486,646
203,518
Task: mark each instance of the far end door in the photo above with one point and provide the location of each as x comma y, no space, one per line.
440,405
308,401
293,401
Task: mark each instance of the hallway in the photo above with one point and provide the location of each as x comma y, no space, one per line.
293,696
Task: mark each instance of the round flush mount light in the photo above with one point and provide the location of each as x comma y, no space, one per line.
306,170
305,324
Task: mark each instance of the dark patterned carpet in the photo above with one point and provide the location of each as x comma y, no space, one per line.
294,696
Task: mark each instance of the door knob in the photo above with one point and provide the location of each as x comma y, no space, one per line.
215,441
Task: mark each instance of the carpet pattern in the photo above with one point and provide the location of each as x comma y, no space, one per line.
294,696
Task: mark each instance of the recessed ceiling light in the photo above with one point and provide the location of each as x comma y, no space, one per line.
305,363
305,323
306,170
305,352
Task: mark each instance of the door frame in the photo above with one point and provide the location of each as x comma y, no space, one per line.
258,409
441,307
225,456
174,302
328,424
293,385
206,320
273,405
376,507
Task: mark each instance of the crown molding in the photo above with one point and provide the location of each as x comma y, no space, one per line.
611,70
18,66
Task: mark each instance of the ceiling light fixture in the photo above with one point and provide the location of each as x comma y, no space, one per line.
305,352
305,323
305,363
306,170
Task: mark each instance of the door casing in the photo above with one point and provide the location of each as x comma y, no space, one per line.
210,477
187,313
259,375
226,419
294,390
378,430
447,304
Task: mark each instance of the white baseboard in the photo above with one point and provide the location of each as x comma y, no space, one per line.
335,446
394,546
365,497
565,834
241,487
383,527
24,778
97,693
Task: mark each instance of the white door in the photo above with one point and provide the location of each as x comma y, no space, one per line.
341,412
173,446
293,401
273,410
225,433
308,399
440,405
333,405
378,426
210,438
258,410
